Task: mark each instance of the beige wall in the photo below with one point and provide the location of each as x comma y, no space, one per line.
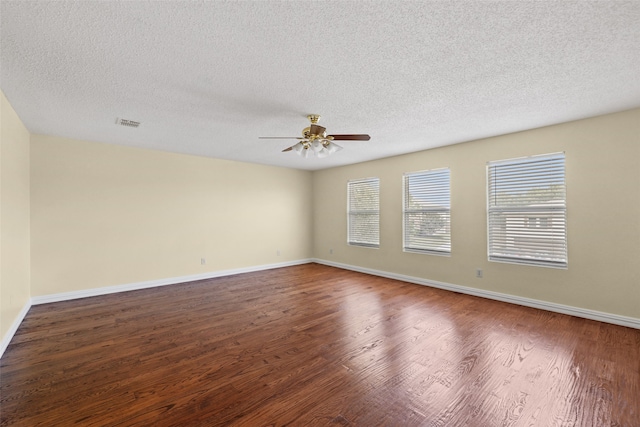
104,215
603,194
14,216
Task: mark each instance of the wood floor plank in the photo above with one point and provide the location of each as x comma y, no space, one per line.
312,345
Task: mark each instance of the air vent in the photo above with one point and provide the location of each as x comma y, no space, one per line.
128,123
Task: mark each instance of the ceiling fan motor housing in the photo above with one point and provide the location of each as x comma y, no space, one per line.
306,133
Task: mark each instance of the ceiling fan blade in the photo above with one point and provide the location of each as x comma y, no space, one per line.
361,137
280,137
316,129
287,149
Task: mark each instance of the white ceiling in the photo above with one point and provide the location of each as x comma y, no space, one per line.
209,77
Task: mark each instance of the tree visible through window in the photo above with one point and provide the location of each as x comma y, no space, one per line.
364,212
427,212
527,210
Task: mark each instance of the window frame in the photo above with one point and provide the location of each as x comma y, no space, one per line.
362,242
433,178
544,224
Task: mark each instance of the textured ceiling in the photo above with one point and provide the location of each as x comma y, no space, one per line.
209,78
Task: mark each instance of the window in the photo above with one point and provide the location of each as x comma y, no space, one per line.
364,212
527,211
427,212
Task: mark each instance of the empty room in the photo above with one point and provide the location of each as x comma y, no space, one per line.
319,213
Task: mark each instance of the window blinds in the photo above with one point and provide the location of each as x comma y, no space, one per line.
364,212
427,211
527,211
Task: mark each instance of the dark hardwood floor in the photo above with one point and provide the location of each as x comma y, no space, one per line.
314,345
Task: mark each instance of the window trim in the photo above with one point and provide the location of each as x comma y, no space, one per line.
559,207
428,251
350,213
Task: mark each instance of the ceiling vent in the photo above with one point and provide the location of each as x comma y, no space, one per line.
128,123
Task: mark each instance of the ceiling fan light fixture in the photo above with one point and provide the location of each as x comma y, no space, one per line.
321,148
322,153
317,145
298,148
332,148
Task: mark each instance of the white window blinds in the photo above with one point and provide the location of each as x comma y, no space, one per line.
363,209
527,211
427,212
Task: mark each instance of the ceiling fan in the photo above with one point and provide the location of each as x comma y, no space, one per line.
314,140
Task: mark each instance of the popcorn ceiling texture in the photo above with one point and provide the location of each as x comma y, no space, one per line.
209,78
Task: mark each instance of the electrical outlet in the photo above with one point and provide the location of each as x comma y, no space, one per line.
331,251
278,252
479,273
203,261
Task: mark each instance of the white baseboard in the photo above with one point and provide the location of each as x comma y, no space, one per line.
615,319
14,327
65,296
